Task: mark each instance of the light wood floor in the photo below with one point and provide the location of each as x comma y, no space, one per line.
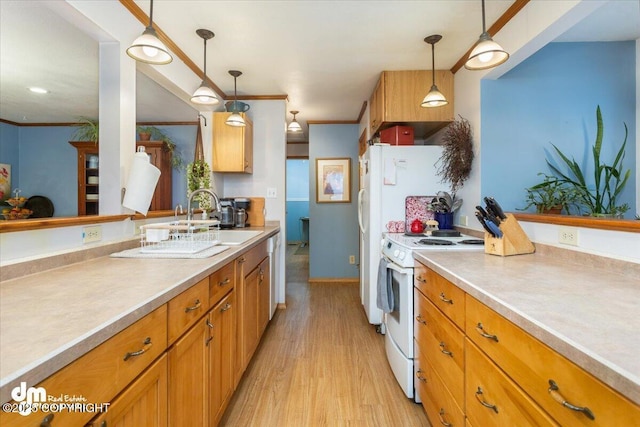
320,363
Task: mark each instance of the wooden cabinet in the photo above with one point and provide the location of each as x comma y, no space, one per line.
232,146
143,403
398,96
264,295
160,157
88,177
187,308
222,354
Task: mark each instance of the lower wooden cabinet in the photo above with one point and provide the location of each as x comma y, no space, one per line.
222,353
264,295
143,403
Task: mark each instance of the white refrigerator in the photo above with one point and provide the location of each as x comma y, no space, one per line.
388,175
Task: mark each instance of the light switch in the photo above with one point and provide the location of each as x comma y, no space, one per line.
272,193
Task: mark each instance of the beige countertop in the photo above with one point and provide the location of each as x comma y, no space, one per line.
51,318
586,311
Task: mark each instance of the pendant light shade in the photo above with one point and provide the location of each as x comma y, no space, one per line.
235,119
148,47
294,126
434,98
204,95
486,53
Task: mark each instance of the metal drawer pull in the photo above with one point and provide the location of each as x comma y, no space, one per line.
206,343
209,324
193,307
555,394
419,319
482,401
224,282
420,377
420,279
481,331
226,307
442,346
445,299
46,421
147,346
242,260
442,421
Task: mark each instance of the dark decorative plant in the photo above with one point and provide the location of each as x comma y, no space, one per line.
457,154
609,180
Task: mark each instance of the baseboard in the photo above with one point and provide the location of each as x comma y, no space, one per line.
328,280
281,306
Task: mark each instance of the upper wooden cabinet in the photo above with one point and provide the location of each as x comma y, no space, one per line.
88,177
160,157
397,98
232,146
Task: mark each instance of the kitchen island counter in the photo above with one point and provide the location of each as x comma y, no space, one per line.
588,312
50,319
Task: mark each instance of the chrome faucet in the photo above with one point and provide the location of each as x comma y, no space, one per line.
216,206
175,212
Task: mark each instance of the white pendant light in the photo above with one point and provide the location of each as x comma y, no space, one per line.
148,47
294,126
434,98
235,119
204,94
486,53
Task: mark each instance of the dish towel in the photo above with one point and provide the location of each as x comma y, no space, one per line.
384,299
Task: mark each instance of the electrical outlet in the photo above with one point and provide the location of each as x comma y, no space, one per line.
272,193
91,234
463,220
352,259
568,236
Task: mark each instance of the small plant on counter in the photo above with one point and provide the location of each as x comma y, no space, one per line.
457,153
609,180
551,196
156,134
87,130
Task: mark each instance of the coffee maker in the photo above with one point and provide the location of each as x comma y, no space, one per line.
227,213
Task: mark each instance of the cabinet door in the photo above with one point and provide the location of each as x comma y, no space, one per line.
264,296
232,146
405,90
188,377
375,106
222,351
143,403
250,314
88,176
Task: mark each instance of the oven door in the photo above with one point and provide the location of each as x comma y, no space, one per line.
399,323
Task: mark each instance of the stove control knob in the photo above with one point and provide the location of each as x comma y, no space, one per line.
396,253
402,255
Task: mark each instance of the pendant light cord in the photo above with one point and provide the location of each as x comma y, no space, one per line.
151,15
433,63
205,61
483,24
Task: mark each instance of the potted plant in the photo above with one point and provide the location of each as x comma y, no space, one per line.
199,176
152,133
87,130
609,180
551,196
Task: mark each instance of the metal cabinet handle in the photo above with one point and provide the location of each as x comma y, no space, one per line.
147,345
103,423
443,351
483,402
420,279
226,281
206,343
419,319
241,260
420,376
46,421
481,331
193,307
209,324
226,307
445,299
442,421
555,394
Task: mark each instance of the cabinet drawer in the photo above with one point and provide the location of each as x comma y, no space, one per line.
532,365
442,343
103,372
444,294
186,308
221,282
438,403
250,260
487,385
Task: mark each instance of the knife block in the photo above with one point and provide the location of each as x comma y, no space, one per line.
514,240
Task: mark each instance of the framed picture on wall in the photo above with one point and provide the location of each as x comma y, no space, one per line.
5,181
333,180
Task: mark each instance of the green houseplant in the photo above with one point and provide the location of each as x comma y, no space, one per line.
551,196
155,134
199,176
600,198
87,130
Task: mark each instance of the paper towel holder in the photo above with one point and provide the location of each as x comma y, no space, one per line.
142,182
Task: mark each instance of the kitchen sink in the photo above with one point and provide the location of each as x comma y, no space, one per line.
237,237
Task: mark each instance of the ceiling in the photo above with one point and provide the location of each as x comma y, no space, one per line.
325,56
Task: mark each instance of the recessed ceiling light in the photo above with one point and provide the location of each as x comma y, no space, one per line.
38,90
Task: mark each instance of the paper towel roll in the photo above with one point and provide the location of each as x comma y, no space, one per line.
143,178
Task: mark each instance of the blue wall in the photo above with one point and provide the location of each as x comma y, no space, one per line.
297,199
334,233
44,163
552,98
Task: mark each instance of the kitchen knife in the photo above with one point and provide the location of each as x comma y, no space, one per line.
495,207
495,229
490,217
484,224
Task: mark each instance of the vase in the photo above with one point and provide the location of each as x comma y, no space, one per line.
445,220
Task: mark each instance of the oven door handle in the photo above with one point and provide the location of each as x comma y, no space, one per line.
395,267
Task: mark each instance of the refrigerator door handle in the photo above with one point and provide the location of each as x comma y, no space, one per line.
360,201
